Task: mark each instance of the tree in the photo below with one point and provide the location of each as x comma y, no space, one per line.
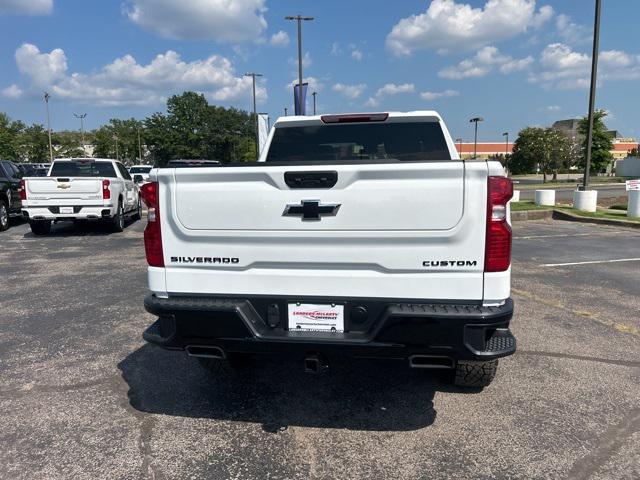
10,131
126,134
544,148
601,146
35,144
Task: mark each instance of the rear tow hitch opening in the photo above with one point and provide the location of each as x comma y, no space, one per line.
315,364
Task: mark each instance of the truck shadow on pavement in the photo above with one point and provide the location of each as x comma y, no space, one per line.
81,229
353,394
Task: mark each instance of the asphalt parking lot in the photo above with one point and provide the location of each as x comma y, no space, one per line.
82,396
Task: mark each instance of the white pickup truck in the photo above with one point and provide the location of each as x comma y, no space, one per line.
360,234
80,189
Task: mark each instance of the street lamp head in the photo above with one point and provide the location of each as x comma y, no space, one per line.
476,120
505,134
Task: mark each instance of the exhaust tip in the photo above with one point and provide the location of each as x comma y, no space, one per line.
205,351
431,361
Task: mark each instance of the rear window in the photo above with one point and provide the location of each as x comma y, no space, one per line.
83,169
133,170
412,141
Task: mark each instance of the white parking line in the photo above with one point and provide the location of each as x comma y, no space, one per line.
591,262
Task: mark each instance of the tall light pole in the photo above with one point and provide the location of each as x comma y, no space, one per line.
459,140
255,111
314,102
592,92
299,19
475,138
115,137
81,116
46,101
286,110
139,145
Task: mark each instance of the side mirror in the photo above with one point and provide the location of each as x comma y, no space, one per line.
138,178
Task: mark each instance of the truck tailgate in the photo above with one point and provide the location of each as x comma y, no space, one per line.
53,188
242,230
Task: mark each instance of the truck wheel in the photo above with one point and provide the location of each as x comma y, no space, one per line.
234,364
117,221
475,374
4,216
138,214
40,227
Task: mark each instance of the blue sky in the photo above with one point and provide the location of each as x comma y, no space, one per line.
514,62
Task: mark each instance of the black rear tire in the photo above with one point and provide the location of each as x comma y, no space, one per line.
4,216
475,374
138,214
117,221
40,227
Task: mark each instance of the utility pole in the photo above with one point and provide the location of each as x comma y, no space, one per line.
139,146
299,19
81,116
255,111
46,101
475,138
314,102
117,153
592,92
459,140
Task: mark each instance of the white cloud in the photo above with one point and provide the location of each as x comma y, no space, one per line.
387,90
26,7
484,61
430,96
221,20
335,48
449,26
356,54
306,61
126,82
279,39
350,91
572,33
552,108
560,67
12,91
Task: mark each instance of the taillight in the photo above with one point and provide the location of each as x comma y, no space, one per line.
498,243
106,191
23,190
152,234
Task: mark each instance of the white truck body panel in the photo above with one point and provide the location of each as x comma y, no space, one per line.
405,230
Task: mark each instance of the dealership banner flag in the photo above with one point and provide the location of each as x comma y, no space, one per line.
296,94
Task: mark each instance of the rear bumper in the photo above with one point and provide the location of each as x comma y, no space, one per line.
80,212
389,329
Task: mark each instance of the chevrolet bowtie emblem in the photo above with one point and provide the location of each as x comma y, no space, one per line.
64,185
311,209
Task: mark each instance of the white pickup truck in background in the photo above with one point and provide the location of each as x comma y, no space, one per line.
362,235
80,189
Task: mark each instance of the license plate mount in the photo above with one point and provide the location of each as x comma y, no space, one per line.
314,317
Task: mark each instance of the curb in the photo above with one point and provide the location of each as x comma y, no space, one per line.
531,215
562,215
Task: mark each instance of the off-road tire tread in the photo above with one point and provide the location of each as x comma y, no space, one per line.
475,374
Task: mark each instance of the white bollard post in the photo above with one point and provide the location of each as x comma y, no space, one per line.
546,197
516,196
585,200
633,208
